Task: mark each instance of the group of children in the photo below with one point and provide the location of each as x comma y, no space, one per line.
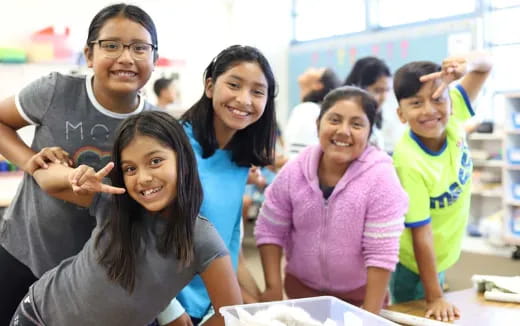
122,207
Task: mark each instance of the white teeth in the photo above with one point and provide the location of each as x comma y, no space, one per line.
150,191
242,113
125,73
339,143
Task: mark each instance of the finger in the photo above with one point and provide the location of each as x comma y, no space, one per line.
429,313
105,170
112,190
456,311
451,314
80,173
444,315
432,76
40,162
438,92
50,156
87,175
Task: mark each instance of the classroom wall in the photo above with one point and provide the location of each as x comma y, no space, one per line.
191,32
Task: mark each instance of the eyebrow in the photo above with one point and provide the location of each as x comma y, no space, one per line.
242,79
134,40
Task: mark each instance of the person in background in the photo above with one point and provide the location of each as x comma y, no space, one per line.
75,119
336,210
165,92
231,128
434,166
300,130
373,75
149,240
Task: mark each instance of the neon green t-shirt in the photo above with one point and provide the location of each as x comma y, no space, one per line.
438,185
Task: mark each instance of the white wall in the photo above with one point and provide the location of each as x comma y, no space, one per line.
193,31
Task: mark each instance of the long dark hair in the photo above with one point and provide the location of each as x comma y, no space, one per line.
365,72
253,145
362,97
125,225
131,12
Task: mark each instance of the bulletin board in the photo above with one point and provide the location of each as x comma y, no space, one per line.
396,47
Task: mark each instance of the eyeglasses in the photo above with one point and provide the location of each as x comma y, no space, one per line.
113,49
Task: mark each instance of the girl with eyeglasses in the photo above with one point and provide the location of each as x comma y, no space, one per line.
75,119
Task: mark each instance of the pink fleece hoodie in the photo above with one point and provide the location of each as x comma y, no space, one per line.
330,243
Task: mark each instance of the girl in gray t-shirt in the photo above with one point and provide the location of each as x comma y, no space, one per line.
149,241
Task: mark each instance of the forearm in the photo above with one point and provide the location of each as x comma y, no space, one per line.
271,256
425,257
377,283
215,320
54,179
13,148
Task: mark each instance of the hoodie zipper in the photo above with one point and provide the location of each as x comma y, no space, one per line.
323,261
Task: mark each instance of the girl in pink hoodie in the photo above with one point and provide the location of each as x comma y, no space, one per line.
337,211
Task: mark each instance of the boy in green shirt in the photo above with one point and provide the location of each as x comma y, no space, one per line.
434,167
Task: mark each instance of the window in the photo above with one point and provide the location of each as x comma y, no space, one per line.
398,12
503,26
319,19
504,3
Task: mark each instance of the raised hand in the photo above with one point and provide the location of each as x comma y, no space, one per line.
85,179
452,69
45,155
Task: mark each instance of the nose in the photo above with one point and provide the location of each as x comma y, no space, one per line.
344,128
244,97
428,107
125,56
144,177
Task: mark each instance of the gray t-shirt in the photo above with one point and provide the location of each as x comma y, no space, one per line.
78,291
38,229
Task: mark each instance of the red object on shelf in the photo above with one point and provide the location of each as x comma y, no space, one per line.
57,40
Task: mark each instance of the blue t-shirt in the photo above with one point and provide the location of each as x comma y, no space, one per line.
223,183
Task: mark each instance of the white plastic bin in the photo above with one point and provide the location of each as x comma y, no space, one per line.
320,308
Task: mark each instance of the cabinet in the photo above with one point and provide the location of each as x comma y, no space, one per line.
511,170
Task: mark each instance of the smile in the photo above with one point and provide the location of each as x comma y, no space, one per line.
121,73
340,143
149,193
238,112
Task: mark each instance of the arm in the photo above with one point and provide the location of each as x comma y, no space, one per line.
77,186
384,223
271,256
12,146
377,283
425,255
273,226
474,68
222,285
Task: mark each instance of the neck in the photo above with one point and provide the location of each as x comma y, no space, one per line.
330,172
115,102
222,132
433,144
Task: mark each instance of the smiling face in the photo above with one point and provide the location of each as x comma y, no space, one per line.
343,132
124,74
239,96
426,116
150,172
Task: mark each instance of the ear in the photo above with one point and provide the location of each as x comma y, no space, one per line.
208,87
88,56
400,114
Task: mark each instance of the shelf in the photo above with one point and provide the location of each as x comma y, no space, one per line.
481,245
489,194
488,163
485,136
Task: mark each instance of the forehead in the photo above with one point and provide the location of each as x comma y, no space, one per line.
247,71
122,28
427,89
141,146
348,109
